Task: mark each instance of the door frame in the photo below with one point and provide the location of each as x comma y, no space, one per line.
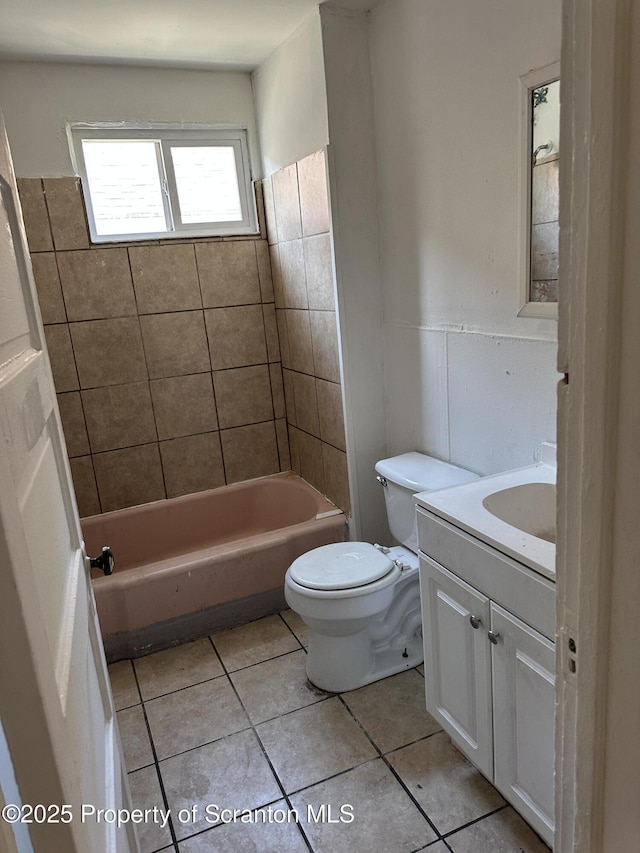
598,691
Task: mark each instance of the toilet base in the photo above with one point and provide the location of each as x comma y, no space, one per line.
338,664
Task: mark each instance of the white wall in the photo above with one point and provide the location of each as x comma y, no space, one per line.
37,99
465,378
291,99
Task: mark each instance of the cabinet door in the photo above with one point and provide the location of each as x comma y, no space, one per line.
457,661
523,706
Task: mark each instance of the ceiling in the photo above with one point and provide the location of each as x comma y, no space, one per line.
231,34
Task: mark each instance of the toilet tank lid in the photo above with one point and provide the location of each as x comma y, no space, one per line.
422,473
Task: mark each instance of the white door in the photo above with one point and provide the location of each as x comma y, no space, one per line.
457,661
56,706
523,708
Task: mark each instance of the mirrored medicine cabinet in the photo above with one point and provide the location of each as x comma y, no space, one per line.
539,192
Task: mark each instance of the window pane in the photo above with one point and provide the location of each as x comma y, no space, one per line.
126,193
207,183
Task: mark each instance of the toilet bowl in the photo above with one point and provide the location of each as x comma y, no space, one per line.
361,602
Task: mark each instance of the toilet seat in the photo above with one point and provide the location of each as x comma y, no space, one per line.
341,565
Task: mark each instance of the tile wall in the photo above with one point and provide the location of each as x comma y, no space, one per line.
545,208
298,231
165,355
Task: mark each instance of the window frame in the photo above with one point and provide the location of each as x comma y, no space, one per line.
169,136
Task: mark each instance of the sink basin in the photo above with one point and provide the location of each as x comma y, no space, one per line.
530,507
513,512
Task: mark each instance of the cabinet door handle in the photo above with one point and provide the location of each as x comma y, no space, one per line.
476,622
493,637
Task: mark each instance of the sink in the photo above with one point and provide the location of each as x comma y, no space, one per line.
530,507
513,512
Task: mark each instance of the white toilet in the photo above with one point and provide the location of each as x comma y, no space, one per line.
362,601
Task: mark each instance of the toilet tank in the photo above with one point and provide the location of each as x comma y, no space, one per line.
405,475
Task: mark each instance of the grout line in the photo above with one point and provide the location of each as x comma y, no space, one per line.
391,769
474,821
157,765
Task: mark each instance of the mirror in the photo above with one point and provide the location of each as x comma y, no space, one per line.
539,197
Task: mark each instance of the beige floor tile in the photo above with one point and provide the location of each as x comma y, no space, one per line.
503,832
146,794
275,687
450,790
392,711
299,628
231,773
277,832
173,669
253,643
194,716
135,738
297,744
384,818
123,685
420,669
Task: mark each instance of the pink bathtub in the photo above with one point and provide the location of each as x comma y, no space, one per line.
195,564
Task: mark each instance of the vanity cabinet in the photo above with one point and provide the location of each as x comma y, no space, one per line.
489,673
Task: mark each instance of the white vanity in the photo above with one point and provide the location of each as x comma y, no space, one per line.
487,572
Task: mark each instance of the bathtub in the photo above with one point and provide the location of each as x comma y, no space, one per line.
191,565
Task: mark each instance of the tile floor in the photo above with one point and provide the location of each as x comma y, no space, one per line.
230,721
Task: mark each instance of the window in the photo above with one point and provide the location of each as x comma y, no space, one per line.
164,182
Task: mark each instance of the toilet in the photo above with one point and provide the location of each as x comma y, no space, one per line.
362,601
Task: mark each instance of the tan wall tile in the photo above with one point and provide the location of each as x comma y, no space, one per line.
66,213
73,423
314,199
192,463
331,413
319,269
165,278
119,416
325,345
84,484
292,274
63,365
96,284
289,396
283,336
236,336
108,352
287,203
35,214
294,448
304,389
175,344
300,347
276,274
228,273
250,451
264,271
129,477
184,405
271,332
282,436
243,396
45,273
336,477
277,390
311,465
